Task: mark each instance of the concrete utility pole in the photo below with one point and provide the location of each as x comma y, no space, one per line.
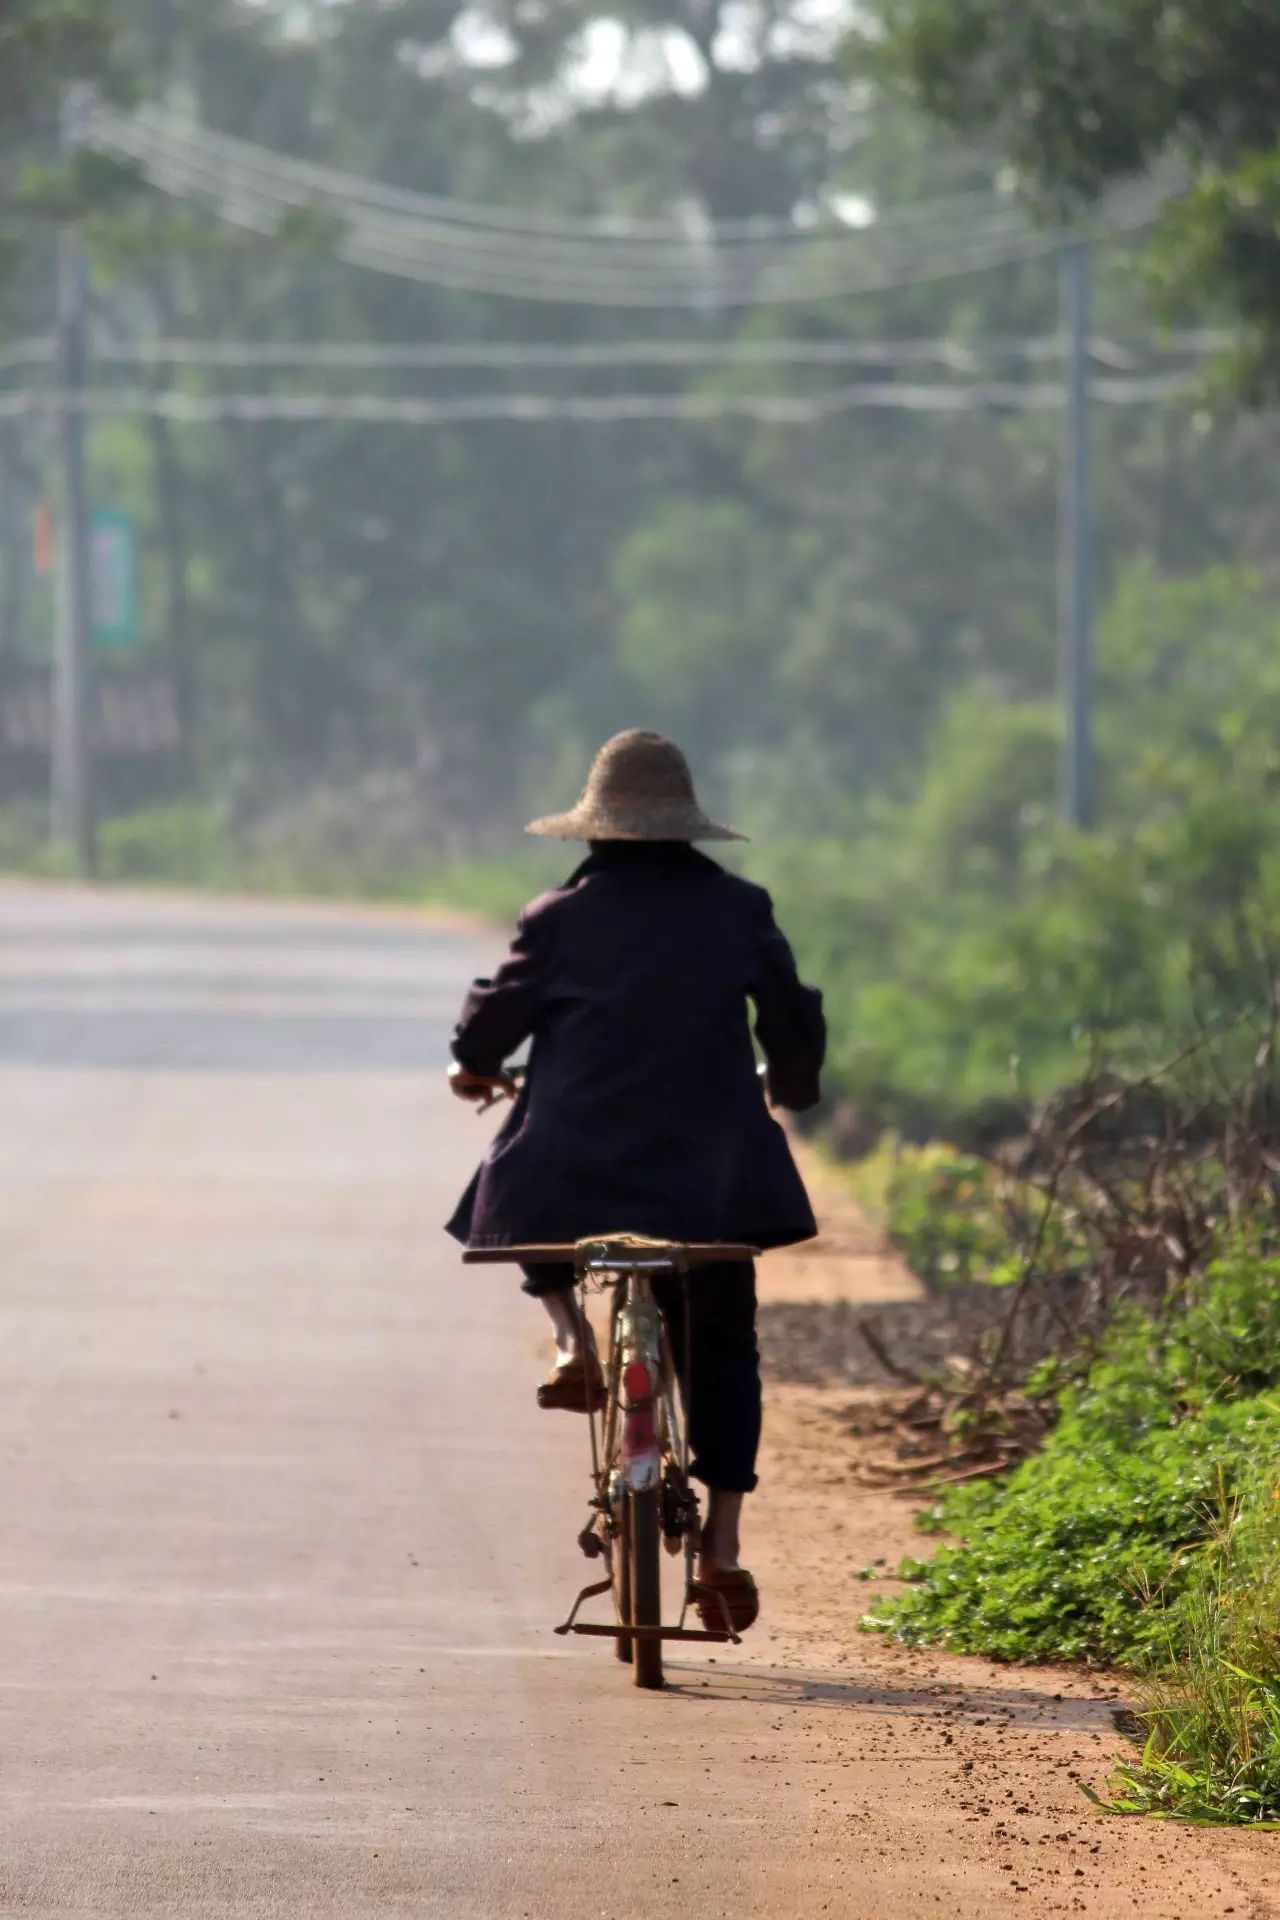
1075,550
71,757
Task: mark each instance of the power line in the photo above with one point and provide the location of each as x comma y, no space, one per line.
233,166
41,351
156,123
257,195
775,409
714,289
366,356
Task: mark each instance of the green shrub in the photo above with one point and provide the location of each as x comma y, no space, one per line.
186,844
25,846
944,1214
1054,1561
958,1219
940,1208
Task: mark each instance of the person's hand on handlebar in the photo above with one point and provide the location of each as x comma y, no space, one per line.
482,1090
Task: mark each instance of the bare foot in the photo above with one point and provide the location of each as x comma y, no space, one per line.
573,1334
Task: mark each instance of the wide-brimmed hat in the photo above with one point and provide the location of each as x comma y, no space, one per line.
639,788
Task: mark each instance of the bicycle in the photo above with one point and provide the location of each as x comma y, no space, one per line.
643,1500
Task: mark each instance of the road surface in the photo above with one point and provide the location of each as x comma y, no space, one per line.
284,1533
284,1530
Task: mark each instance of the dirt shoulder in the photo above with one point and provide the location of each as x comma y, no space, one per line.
988,1761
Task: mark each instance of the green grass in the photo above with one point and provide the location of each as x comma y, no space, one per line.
1145,1535
1210,1700
190,844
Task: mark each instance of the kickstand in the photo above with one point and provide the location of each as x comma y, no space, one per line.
588,1593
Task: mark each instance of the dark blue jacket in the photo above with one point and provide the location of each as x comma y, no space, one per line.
642,1110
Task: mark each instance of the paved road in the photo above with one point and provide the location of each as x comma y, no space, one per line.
283,1533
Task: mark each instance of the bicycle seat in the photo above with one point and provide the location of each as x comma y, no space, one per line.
617,1253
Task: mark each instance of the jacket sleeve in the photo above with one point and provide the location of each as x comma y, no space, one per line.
499,1014
790,1025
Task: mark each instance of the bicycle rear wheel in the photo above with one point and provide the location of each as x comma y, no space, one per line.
645,1525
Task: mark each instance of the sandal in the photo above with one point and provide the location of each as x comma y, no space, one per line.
740,1594
577,1387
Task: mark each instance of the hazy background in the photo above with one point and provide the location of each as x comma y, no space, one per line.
367,649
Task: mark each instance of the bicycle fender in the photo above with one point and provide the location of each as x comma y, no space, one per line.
641,1454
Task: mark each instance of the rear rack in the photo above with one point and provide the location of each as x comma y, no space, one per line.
608,1254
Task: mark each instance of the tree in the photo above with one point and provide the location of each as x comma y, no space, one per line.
1082,97
45,47
798,605
45,44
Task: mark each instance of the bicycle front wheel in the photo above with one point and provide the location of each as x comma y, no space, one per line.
645,1531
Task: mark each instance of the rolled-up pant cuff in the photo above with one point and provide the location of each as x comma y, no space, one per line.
540,1281
722,1479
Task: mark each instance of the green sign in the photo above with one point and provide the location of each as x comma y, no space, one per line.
113,579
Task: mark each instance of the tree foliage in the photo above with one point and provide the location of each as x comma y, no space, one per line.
1079,98
977,955
45,45
824,615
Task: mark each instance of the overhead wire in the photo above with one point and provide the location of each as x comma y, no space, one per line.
705,355
479,224
159,122
711,287
251,193
238,159
462,410
453,243
258,198
233,164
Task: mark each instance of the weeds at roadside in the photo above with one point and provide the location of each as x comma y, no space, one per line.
1210,1699
1144,1534
1118,1198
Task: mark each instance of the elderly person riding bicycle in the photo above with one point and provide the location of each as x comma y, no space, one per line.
642,1110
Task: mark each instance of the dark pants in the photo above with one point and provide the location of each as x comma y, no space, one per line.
722,1381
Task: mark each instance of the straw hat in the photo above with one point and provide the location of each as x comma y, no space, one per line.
639,788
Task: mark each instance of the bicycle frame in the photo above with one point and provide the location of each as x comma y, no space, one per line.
639,1451
642,1443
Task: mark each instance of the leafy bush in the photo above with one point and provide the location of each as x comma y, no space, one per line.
942,1210
1053,1561
184,844
25,846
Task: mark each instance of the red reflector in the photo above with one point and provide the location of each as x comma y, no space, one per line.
636,1380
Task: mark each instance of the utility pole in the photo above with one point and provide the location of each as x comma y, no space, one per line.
1075,545
71,756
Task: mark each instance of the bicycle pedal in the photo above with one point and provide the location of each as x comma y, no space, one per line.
591,1543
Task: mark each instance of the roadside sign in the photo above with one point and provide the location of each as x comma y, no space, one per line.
113,578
